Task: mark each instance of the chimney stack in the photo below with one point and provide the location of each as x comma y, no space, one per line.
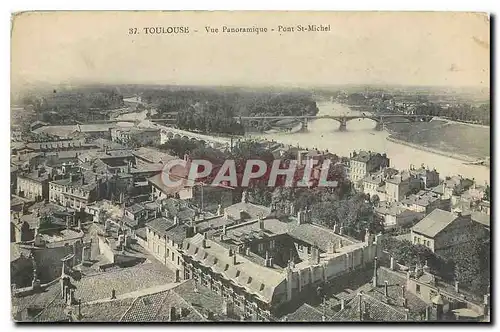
375,272
407,314
456,286
113,294
393,265
234,259
79,308
261,223
204,242
335,228
172,314
360,307
247,251
386,288
341,231
342,304
403,289
427,313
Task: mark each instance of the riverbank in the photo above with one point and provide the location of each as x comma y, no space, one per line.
431,150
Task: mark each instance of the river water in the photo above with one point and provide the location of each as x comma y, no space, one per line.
323,134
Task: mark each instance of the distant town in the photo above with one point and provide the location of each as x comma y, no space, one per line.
97,236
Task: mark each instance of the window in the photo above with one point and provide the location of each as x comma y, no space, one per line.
261,247
271,244
178,260
418,289
173,256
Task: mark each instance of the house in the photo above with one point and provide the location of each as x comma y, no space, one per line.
140,136
33,184
442,230
397,186
425,202
78,190
429,178
396,215
364,163
164,240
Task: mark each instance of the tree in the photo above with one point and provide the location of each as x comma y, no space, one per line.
487,196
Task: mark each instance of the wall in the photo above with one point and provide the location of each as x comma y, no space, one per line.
105,249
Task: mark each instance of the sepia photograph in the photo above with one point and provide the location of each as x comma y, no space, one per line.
259,166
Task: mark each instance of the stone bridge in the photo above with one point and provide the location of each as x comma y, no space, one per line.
380,120
168,133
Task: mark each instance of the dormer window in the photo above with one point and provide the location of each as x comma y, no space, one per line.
249,280
261,287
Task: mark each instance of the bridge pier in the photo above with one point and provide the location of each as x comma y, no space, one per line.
380,125
343,124
305,124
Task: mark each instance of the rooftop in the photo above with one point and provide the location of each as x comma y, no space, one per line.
365,156
434,222
256,278
422,198
153,156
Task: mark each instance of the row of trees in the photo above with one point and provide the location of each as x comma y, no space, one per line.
461,112
469,263
66,107
210,118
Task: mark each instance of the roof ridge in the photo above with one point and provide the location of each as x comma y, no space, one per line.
129,308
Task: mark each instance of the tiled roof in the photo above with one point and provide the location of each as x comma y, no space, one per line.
305,313
263,280
434,222
375,310
481,218
109,311
153,155
253,211
122,281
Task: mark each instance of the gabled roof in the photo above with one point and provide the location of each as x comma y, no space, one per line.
434,222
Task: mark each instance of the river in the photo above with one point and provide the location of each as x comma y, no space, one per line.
323,134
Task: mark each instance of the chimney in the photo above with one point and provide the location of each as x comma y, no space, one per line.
204,242
335,228
113,294
247,251
342,304
172,314
386,288
393,265
224,229
176,220
456,286
79,308
341,231
234,259
66,288
261,224
375,272
360,307
71,296
405,302
83,179
230,252
71,177
403,289
427,313
300,217
407,314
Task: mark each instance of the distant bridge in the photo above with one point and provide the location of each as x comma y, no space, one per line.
342,119
168,133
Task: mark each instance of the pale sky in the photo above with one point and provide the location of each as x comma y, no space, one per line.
435,49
